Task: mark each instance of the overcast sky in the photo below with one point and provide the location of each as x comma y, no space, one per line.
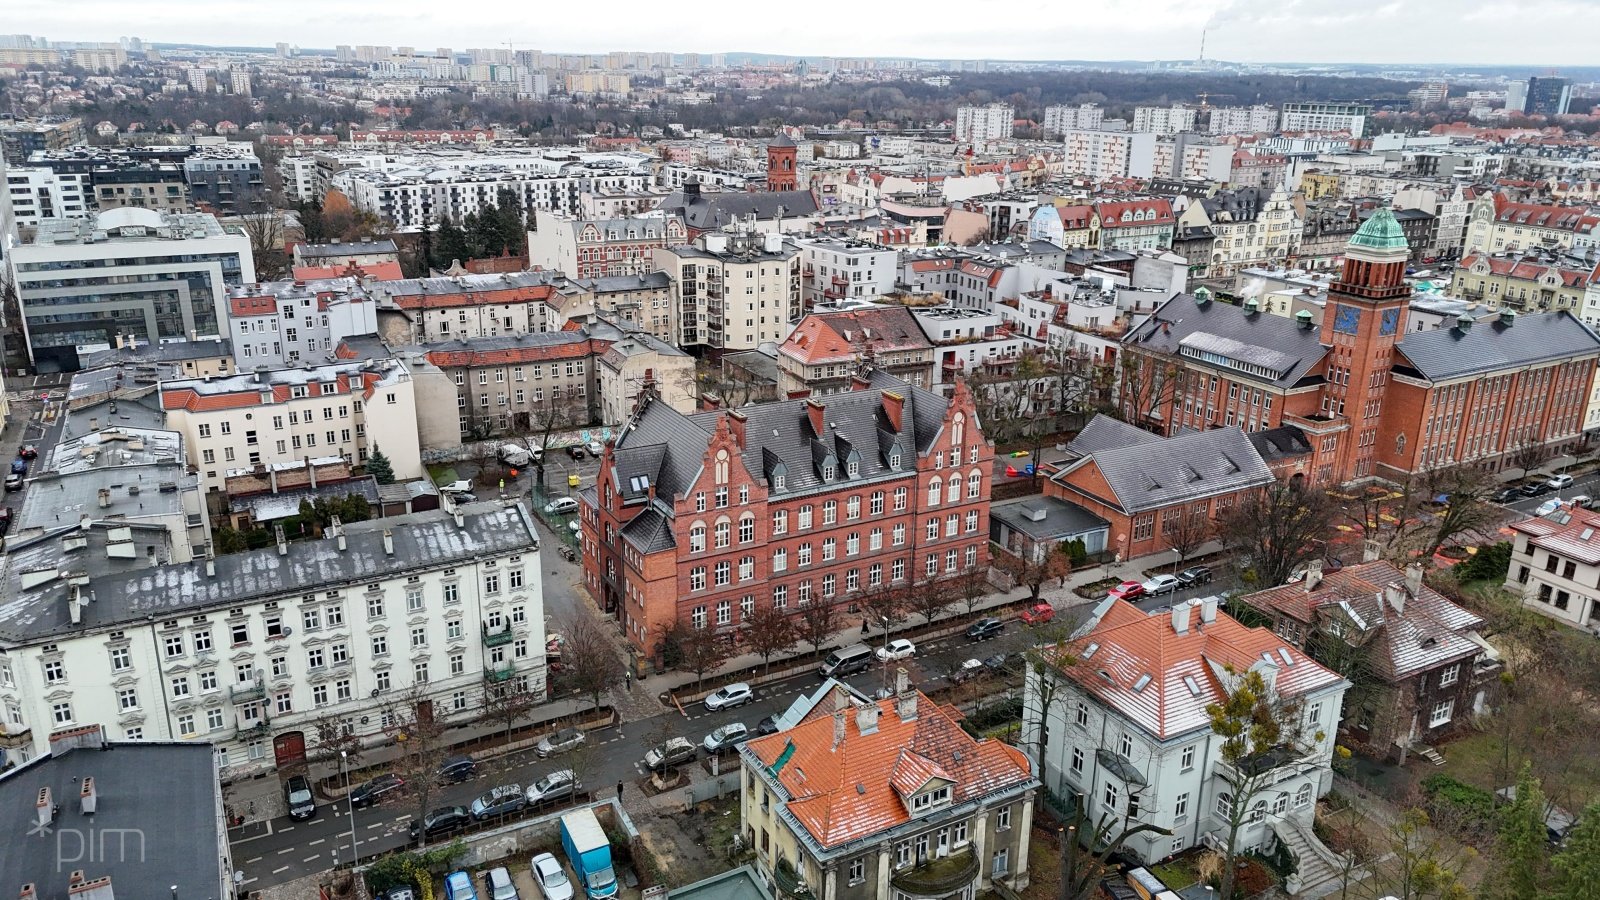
1492,32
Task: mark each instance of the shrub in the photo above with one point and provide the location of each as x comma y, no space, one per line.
1475,804
1490,563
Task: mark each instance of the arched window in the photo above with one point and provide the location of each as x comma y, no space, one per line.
933,491
724,532
721,473
747,528
958,431
697,538
974,485
953,495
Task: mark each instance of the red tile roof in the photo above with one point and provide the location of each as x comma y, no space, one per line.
1537,215
384,271
1184,671
1075,216
860,787
1527,270
842,336
470,358
452,299
1563,534
1157,211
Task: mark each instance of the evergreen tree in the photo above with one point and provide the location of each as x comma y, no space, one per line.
378,467
483,233
1579,861
450,244
1520,850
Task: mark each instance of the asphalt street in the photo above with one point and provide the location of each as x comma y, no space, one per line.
280,850
1581,485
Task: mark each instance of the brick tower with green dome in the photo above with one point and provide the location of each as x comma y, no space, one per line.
1364,318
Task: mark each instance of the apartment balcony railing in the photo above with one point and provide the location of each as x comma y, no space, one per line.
246,691
497,638
939,877
498,673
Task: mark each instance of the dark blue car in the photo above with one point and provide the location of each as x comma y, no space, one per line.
19,466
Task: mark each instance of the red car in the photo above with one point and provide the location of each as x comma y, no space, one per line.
1128,590
1038,614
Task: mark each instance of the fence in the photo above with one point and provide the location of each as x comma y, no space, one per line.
560,523
715,788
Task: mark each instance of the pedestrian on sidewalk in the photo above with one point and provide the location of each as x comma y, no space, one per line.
627,680
619,792
865,629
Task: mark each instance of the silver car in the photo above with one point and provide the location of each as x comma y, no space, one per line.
550,877
560,741
498,881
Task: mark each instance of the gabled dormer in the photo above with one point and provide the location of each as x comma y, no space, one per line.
774,470
922,784
824,461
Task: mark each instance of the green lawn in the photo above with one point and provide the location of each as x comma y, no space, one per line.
443,473
1175,874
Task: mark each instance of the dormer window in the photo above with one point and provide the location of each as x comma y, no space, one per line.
829,471
776,478
894,459
930,799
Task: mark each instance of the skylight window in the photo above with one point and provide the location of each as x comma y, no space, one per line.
1192,685
1089,650
1142,683
1283,653
1587,533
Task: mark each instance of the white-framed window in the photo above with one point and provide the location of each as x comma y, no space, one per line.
1449,675
1077,760
1302,797
1180,808
1186,759
1442,712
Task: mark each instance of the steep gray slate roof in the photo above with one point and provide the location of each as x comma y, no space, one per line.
650,531
1180,469
1106,433
1216,329
1446,353
716,209
666,449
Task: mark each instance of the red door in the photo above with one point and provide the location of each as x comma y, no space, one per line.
289,749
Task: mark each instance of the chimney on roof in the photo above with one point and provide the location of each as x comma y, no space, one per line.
104,495
337,528
28,892
905,700
736,423
1313,575
838,727
75,604
1396,597
211,561
1371,551
814,412
98,889
1414,579
44,809
311,472
894,407
283,541
1180,618
461,517
1208,609
388,541
710,401
87,796
867,718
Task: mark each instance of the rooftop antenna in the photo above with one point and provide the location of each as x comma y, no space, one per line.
1203,43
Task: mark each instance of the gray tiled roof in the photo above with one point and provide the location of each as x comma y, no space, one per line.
649,531
1061,520
346,248
1445,353
1217,327
1188,467
714,210
1280,443
1106,433
668,448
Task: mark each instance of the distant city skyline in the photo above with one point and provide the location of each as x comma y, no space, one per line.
1534,33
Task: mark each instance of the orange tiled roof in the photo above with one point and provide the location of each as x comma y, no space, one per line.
838,337
1184,670
384,271
1526,270
1157,212
859,788
501,356
474,298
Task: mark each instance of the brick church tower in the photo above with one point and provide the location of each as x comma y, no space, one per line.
781,158
1365,317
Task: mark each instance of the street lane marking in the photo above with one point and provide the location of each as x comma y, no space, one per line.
284,869
317,841
311,859
285,850
255,860
374,825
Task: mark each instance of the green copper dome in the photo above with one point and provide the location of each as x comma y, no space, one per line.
1380,232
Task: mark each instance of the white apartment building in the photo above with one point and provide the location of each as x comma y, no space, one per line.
1348,117
978,124
287,323
734,291
836,268
1100,155
1555,565
128,271
37,194
299,175
470,306
1058,120
1174,119
410,199
592,248
1256,119
251,647
1189,161
271,416
1126,729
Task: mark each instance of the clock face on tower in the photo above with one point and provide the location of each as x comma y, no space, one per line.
1390,322
1347,319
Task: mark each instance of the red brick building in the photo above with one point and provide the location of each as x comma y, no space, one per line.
705,518
1367,396
782,157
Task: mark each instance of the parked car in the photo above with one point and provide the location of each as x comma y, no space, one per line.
1548,507
1559,481
498,881
373,792
1581,501
457,769
442,821
576,451
1506,495
560,741
561,506
458,886
13,483
456,487
1128,590
997,663
767,725
19,466
5,520
736,694
557,785
968,670
1161,584
675,752
1038,614
550,877
466,497
1536,488
899,648
985,628
727,737
1195,575
28,451
400,893
596,449
501,801
297,792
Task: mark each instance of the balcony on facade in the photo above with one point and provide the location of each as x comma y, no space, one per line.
498,673
255,689
497,637
941,877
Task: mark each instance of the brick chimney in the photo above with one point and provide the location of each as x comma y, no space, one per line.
1313,575
814,412
87,796
905,700
859,382
838,727
894,406
1414,579
98,889
736,423
710,402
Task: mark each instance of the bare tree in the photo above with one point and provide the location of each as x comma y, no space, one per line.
769,632
1262,732
1279,527
507,703
1006,399
544,418
690,649
817,622
412,723
1148,384
884,603
930,598
1034,571
1186,531
264,228
589,657
1528,453
330,734
972,586
1077,382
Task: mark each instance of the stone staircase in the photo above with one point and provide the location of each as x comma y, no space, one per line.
1431,755
1315,864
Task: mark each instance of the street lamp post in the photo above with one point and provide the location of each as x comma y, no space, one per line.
355,855
885,653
